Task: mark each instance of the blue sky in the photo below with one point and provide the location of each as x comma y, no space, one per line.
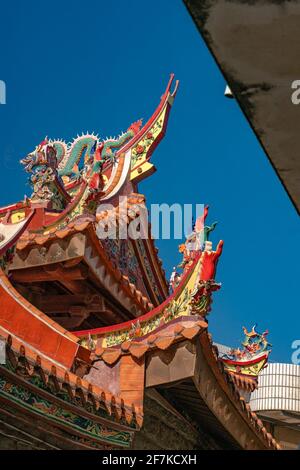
97,65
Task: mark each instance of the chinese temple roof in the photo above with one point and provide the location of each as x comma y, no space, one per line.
85,335
27,362
66,209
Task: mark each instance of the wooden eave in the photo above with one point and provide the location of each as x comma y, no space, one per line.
189,374
180,353
65,390
69,247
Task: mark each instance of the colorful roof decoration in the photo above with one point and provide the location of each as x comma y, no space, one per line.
68,179
74,409
248,362
137,335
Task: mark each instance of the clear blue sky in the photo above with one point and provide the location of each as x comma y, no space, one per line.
99,65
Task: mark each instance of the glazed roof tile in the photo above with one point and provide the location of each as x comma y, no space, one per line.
178,330
188,329
27,362
233,389
243,382
163,338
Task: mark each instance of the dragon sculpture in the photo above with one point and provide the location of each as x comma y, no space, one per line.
53,164
254,343
89,146
42,164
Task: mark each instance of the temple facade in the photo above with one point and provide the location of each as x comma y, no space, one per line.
100,351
